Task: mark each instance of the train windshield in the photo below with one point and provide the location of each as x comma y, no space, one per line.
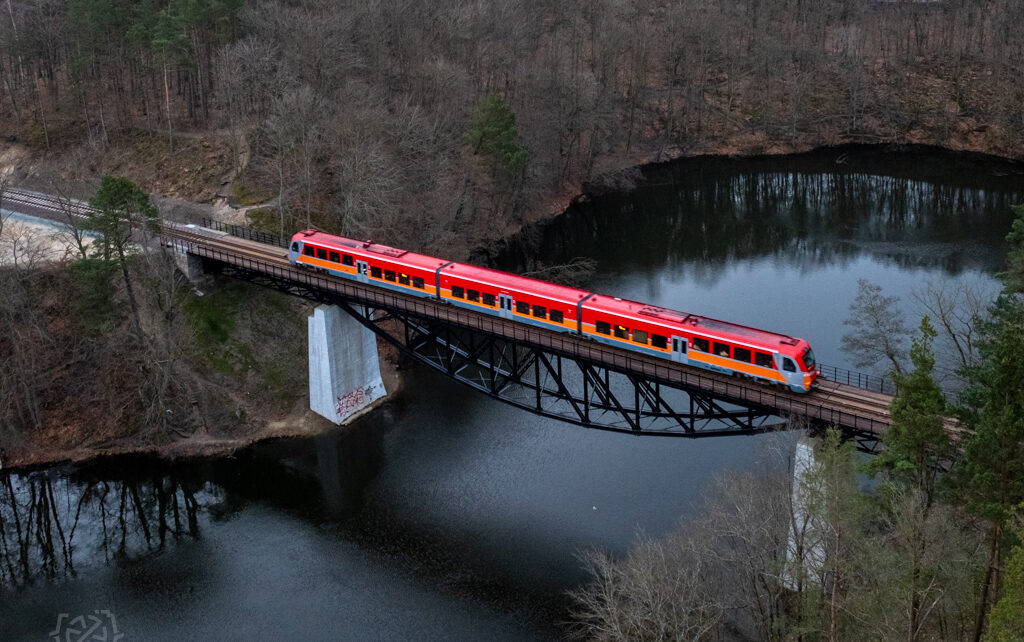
808,359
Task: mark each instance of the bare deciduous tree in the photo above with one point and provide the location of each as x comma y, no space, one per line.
878,332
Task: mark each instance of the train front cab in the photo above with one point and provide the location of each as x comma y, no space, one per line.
800,372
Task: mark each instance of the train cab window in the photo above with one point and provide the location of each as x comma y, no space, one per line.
721,349
556,316
295,246
659,341
622,332
763,360
741,354
488,299
540,311
458,292
335,257
522,307
703,345
417,282
308,250
376,272
473,295
403,279
346,259
603,327
639,336
788,365
389,275
321,253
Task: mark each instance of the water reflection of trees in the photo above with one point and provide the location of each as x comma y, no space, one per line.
715,213
46,521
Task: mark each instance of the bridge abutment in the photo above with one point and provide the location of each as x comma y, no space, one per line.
344,370
190,265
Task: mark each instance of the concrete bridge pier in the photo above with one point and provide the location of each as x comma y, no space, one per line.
805,552
344,372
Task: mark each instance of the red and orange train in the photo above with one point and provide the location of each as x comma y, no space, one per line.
686,338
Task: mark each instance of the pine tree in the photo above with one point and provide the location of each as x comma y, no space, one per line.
992,473
917,444
120,208
1007,621
492,132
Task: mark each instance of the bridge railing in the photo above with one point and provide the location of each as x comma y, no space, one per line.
871,383
726,387
245,232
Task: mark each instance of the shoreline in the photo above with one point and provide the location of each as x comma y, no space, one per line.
188,448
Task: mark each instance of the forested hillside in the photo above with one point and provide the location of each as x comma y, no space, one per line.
437,125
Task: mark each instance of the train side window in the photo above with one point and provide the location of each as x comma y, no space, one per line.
389,275
488,299
703,345
741,354
473,295
721,349
603,327
659,341
417,282
376,272
522,307
556,316
308,250
622,332
335,257
346,259
540,311
763,360
788,365
458,292
321,253
639,336
403,279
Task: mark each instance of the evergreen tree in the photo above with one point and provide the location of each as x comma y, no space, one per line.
992,473
1007,621
917,443
120,209
492,132
1013,277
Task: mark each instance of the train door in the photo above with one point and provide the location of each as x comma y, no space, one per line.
679,349
505,306
361,270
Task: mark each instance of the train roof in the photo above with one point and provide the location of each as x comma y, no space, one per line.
369,248
506,281
692,322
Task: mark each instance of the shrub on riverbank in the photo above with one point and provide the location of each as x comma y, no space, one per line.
220,365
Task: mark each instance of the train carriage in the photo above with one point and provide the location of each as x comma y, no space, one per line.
511,296
367,262
699,341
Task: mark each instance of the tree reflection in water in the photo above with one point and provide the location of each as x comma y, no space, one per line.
810,210
48,518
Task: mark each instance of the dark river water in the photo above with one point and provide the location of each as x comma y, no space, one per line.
446,515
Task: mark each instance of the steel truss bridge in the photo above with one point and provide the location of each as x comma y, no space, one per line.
556,375
553,374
